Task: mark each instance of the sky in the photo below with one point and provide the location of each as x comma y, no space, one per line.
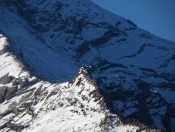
155,16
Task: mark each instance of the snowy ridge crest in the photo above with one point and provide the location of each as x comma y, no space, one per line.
30,104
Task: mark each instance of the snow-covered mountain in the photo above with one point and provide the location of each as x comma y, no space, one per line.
127,71
31,104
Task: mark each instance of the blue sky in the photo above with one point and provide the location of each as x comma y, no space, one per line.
155,16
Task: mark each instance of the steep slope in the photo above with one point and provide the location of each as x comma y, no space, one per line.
30,104
133,68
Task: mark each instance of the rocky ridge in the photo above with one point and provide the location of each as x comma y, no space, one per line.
31,104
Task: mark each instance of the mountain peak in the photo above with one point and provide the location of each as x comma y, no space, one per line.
26,102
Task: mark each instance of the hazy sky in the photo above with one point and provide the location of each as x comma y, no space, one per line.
155,16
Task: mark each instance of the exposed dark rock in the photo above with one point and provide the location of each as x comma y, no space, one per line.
5,79
11,91
141,97
15,82
167,85
15,127
5,48
3,126
3,91
23,82
168,76
5,113
132,24
139,51
144,35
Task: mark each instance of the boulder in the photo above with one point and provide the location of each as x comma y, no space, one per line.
23,82
5,79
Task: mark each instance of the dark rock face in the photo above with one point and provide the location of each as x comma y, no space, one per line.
23,82
18,84
10,92
3,91
15,127
5,79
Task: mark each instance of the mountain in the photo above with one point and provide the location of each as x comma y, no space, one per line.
126,74
30,104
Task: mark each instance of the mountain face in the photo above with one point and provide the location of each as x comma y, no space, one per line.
30,104
127,71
